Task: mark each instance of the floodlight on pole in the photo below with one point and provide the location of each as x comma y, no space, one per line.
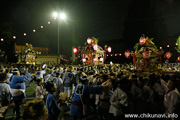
55,14
63,16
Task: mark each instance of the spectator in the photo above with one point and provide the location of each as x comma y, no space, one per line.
68,80
5,91
172,97
18,92
81,95
40,90
51,104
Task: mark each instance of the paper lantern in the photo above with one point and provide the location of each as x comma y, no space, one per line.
89,41
142,40
102,59
95,47
75,50
178,58
146,54
109,49
127,54
84,60
168,55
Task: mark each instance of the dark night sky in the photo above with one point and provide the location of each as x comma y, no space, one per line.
120,20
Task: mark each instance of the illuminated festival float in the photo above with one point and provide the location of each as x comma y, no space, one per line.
92,53
146,56
27,55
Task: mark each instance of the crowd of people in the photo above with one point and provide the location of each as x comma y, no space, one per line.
107,91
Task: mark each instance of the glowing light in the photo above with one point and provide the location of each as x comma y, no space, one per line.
178,58
63,16
42,27
102,59
24,34
14,37
34,30
95,47
142,40
55,14
127,54
89,41
160,47
167,45
75,50
2,39
84,60
49,22
109,49
176,43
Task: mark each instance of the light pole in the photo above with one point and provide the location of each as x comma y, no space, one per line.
61,16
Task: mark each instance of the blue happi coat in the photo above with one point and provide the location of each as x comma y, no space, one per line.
17,85
81,95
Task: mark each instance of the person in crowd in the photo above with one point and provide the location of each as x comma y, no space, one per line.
103,105
47,76
68,80
119,100
59,84
9,75
81,95
35,110
40,90
51,103
5,91
172,97
18,92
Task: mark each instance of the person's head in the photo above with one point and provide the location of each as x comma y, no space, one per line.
112,83
40,81
172,84
35,110
47,71
58,74
3,77
84,80
50,86
70,68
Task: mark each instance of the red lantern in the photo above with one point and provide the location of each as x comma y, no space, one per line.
127,54
178,58
146,54
109,49
89,41
84,60
102,59
168,55
142,40
75,50
95,47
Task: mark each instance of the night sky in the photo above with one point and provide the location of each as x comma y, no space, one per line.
121,22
